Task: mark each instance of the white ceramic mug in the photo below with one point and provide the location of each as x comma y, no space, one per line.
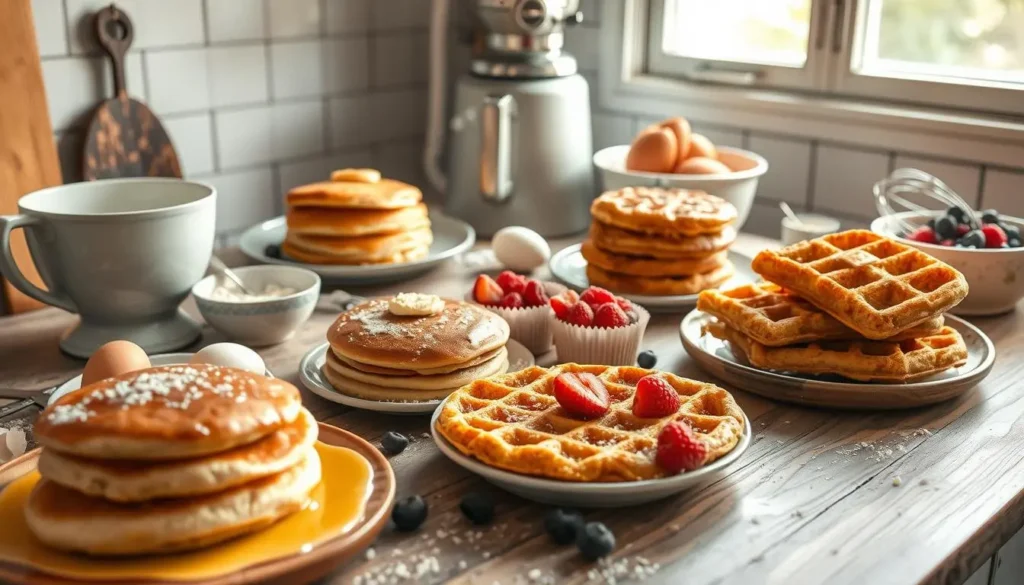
121,253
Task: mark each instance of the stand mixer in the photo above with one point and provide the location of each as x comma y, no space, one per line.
519,138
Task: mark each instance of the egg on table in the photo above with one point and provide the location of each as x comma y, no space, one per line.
113,359
520,249
230,355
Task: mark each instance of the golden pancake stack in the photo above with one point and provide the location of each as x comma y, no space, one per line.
413,347
654,241
171,458
356,218
855,304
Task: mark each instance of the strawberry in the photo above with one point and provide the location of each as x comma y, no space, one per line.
511,282
581,394
654,398
486,291
581,314
534,295
923,234
611,316
961,229
678,449
512,300
596,296
561,307
995,237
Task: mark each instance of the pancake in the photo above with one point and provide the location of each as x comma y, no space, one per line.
362,248
367,368
413,381
389,393
370,334
168,412
646,266
384,194
661,285
307,257
69,520
136,481
355,222
621,241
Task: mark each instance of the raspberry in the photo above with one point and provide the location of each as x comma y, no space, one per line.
678,449
511,282
534,295
581,314
923,234
995,237
596,296
654,398
486,291
625,305
581,394
962,229
512,300
611,316
561,307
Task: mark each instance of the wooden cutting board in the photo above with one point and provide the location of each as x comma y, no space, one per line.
28,156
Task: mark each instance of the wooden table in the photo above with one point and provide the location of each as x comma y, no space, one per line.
814,500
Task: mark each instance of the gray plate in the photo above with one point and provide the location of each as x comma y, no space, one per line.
715,357
451,237
570,268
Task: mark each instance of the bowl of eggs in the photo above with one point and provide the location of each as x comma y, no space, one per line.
669,154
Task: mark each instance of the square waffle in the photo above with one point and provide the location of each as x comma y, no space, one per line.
865,360
772,316
872,284
514,422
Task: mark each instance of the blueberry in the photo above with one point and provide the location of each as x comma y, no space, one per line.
1015,243
958,214
1011,231
595,541
945,227
931,223
478,507
563,524
272,251
393,443
990,216
973,239
409,513
646,359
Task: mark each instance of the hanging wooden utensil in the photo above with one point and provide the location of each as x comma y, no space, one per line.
125,138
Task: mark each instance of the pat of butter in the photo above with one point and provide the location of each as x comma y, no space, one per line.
415,305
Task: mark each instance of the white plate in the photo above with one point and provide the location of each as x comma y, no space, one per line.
569,267
163,359
313,362
715,356
451,237
588,495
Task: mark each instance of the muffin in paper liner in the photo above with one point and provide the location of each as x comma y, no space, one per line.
599,345
530,326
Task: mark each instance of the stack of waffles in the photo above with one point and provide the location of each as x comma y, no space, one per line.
855,304
356,218
653,241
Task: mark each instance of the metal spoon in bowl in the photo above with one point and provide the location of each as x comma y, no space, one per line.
219,266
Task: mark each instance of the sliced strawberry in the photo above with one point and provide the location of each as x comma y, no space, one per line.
581,314
561,307
534,295
512,300
596,296
511,282
654,398
611,316
679,449
581,394
486,291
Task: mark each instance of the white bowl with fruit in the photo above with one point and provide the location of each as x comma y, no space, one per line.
987,251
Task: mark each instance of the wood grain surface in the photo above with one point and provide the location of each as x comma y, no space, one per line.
922,496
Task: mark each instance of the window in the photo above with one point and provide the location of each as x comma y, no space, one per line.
963,54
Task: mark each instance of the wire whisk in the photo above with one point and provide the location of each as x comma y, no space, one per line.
890,192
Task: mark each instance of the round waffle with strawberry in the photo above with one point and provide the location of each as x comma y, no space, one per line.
592,423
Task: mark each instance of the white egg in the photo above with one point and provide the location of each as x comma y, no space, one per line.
520,249
230,355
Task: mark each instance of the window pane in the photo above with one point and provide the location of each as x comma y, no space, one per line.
967,40
772,32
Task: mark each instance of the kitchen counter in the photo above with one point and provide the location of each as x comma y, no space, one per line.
909,497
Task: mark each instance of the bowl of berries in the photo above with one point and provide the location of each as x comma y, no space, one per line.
986,247
522,302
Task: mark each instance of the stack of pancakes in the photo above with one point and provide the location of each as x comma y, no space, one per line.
653,241
171,458
376,354
356,218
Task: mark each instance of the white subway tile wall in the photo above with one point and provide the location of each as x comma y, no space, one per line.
257,95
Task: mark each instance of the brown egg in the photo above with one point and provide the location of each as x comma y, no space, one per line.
700,145
654,150
113,359
681,128
700,165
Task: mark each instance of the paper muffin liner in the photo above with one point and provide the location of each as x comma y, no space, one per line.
599,345
530,326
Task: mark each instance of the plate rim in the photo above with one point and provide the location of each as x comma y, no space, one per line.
665,485
334,551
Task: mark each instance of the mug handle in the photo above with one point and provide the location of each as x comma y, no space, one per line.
10,270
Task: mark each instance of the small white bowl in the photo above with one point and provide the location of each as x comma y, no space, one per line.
737,187
812,225
266,322
995,276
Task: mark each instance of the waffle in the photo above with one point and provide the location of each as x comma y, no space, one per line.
645,266
620,241
872,284
659,286
865,361
771,316
513,422
654,210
